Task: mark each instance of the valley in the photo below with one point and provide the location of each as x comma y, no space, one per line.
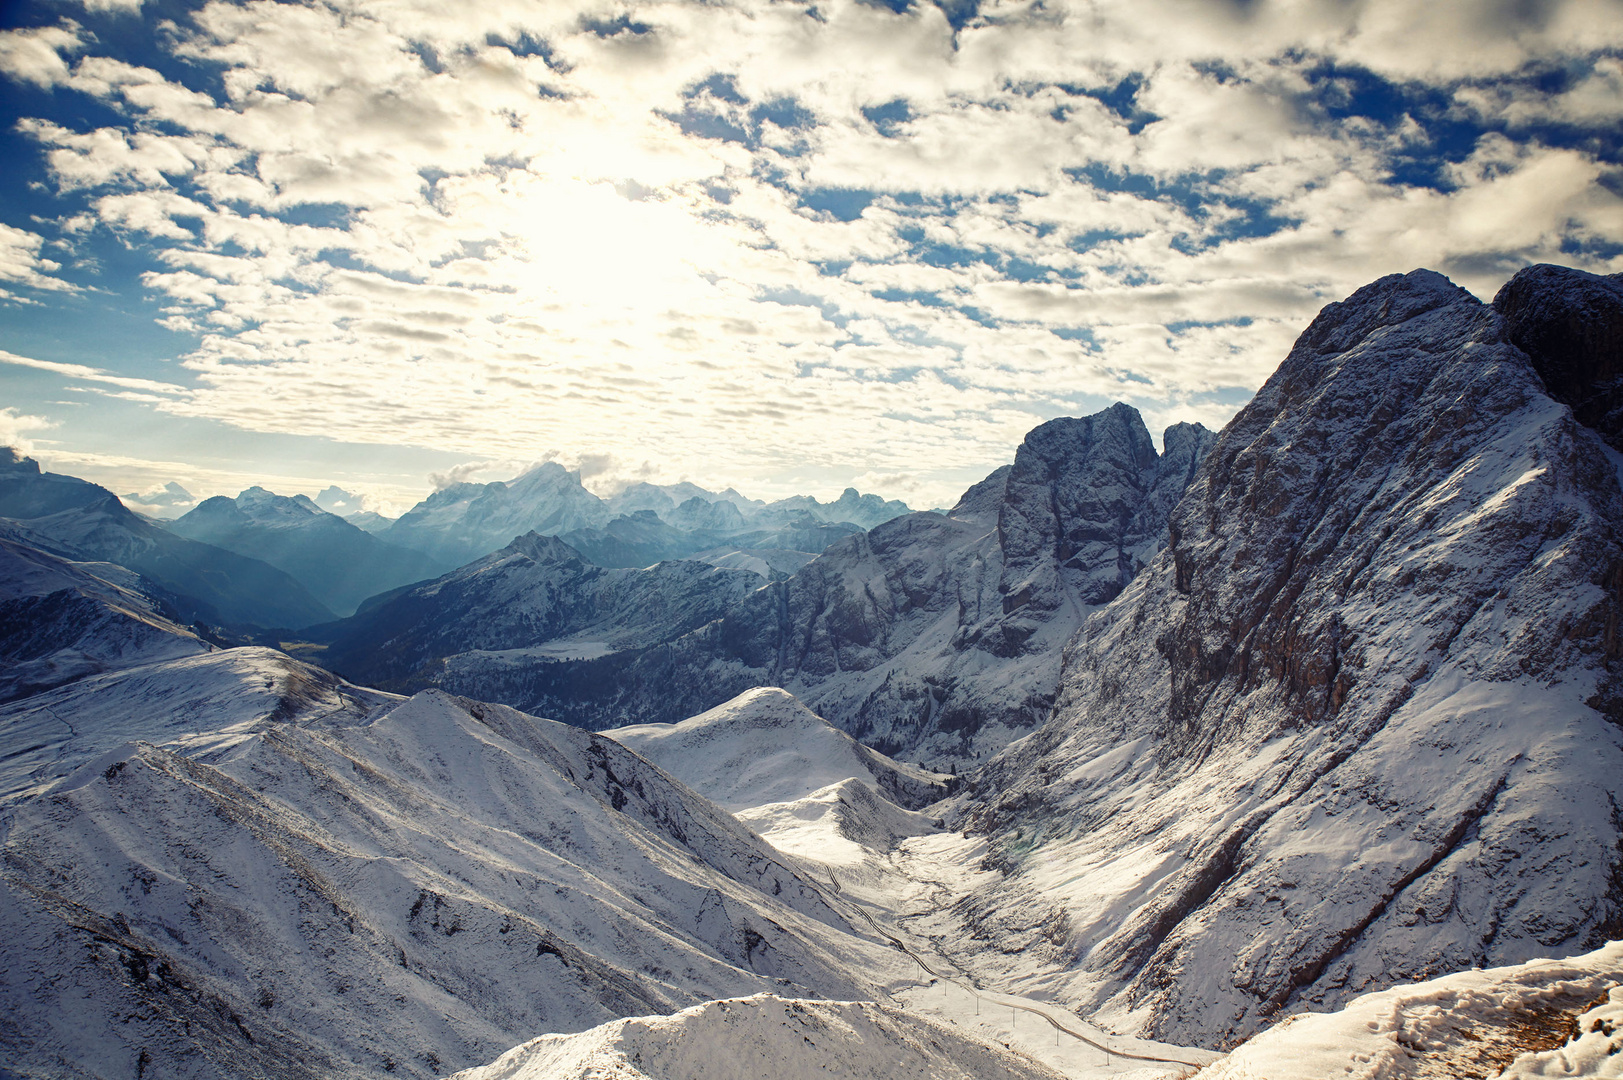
1290,750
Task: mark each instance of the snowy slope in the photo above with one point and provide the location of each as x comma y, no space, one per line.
338,562
766,1036
931,638
1542,1018
773,564
413,889
200,704
764,746
61,620
1359,723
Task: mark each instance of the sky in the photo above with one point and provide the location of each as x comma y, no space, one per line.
783,246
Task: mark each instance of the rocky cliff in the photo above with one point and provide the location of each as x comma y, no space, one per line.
1360,721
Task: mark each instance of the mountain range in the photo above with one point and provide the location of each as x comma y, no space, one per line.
1303,737
931,637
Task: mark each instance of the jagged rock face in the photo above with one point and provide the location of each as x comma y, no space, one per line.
62,620
533,602
1359,723
1082,502
929,638
339,563
411,890
1571,324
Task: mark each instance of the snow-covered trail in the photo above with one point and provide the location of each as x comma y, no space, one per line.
948,993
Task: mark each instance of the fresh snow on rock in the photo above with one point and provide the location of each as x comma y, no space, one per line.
764,746
766,1036
1472,1023
1359,723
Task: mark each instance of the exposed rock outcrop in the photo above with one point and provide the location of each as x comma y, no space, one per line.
1360,722
1570,323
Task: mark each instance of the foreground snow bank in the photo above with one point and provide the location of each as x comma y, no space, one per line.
761,1036
1543,1018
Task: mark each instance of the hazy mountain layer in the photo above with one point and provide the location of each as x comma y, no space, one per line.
530,603
83,521
339,563
639,526
465,521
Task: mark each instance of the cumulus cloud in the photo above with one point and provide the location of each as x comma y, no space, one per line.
15,427
169,501
739,241
22,263
37,55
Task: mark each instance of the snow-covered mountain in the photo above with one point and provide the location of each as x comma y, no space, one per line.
82,521
195,704
353,883
643,538
465,521
763,746
773,564
338,562
536,600
766,1036
62,620
852,507
930,638
1360,722
638,526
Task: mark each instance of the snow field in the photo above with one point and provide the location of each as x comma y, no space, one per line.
1461,1024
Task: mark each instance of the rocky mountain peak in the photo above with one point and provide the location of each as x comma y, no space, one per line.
1356,712
1570,323
543,549
1074,490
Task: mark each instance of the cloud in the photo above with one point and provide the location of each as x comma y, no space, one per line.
169,501
162,390
737,242
21,262
15,427
35,55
